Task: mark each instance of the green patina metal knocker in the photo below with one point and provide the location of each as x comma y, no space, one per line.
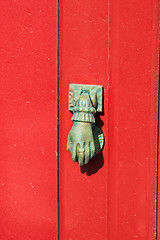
85,139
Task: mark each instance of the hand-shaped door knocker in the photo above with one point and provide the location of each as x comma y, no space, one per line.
85,139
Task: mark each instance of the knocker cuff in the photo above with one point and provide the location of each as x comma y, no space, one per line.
83,116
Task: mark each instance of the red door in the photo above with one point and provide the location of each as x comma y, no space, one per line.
44,195
113,44
28,122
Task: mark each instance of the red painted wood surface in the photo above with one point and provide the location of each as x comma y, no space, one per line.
84,60
158,172
28,181
158,190
114,44
133,105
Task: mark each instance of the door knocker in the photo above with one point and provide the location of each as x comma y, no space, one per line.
85,139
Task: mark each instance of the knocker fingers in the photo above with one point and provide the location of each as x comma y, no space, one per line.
86,153
80,153
74,153
92,149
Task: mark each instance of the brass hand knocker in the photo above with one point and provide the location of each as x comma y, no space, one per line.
85,139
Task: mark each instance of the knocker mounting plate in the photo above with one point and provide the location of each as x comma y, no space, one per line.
93,90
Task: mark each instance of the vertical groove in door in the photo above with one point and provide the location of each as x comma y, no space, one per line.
157,187
157,166
58,117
